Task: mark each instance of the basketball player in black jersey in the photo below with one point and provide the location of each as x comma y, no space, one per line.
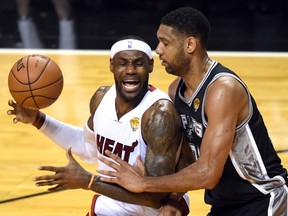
236,162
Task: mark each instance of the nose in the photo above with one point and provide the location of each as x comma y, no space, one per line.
130,69
158,49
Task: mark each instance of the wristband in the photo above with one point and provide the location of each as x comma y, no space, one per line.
40,119
90,182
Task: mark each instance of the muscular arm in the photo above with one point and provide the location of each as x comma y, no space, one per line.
162,134
226,104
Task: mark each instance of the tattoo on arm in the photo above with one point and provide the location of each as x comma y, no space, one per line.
162,134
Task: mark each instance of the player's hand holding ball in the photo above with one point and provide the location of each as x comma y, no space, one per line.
35,82
22,114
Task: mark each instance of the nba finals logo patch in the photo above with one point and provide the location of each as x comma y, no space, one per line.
196,104
134,123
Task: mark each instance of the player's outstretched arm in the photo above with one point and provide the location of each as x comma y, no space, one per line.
73,176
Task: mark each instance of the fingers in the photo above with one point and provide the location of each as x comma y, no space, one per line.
108,162
15,120
141,165
46,180
113,180
12,103
50,168
45,177
114,157
59,184
107,173
48,177
57,188
117,164
12,111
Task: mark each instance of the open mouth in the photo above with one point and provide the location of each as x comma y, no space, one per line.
130,85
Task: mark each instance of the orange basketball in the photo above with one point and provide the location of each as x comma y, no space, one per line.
35,81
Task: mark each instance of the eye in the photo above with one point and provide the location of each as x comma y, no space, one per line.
122,63
165,44
139,63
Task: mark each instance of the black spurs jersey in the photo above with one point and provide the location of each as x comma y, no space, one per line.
253,168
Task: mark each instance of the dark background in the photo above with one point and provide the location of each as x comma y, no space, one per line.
257,25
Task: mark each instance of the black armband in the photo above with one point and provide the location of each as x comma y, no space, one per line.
40,119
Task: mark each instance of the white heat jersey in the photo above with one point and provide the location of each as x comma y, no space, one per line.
122,137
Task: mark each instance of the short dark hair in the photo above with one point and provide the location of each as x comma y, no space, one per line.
189,21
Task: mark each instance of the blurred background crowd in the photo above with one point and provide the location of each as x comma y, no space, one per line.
256,25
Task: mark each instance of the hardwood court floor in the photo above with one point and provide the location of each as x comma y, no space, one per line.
23,148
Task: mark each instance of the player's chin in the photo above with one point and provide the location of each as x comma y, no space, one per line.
169,70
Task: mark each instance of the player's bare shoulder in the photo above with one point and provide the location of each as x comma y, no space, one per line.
97,97
162,108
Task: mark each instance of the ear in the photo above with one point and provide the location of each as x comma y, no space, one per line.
151,65
111,65
191,44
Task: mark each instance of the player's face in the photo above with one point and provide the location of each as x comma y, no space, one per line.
170,50
131,74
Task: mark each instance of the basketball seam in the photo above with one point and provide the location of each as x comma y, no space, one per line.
35,102
28,78
61,78
12,73
40,75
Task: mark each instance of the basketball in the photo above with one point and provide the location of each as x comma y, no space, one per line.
35,81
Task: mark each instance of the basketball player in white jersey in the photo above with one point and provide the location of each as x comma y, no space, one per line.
131,118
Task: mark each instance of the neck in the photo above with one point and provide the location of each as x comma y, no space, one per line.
192,80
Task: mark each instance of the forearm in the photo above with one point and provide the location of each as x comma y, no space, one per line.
66,135
160,184
193,177
153,200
